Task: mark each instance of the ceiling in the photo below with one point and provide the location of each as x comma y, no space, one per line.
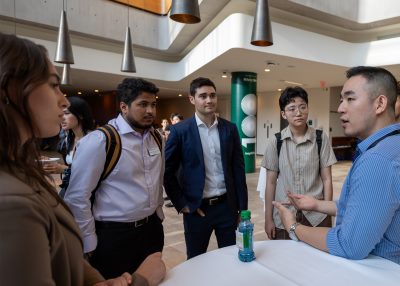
309,74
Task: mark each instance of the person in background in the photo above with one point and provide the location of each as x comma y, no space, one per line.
77,122
299,166
164,130
204,172
175,118
368,210
40,243
123,225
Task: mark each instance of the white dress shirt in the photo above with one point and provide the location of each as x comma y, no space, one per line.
131,192
214,181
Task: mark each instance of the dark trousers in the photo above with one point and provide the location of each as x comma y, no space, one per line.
283,234
122,247
219,218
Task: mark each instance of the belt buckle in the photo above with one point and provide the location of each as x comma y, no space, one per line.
141,222
213,201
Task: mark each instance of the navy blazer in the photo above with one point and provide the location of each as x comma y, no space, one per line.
184,176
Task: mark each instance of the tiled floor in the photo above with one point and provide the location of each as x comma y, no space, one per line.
175,252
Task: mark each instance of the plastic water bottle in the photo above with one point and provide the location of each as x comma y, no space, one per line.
244,237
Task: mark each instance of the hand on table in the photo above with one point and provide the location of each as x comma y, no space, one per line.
153,269
123,280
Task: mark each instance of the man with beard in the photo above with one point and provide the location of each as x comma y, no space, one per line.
123,225
204,172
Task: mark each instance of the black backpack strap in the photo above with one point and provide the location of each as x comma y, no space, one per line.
113,153
278,142
157,137
318,133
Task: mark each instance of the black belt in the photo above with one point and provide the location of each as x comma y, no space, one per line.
132,224
214,200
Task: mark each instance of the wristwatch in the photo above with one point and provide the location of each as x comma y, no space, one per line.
292,233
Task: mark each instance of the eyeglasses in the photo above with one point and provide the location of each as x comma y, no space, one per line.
302,108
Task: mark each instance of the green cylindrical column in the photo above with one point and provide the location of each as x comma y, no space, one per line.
243,114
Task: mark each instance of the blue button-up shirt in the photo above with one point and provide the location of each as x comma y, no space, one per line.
368,211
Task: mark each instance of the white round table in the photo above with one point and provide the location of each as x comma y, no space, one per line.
282,262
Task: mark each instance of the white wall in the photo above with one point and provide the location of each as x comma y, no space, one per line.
268,118
268,114
336,126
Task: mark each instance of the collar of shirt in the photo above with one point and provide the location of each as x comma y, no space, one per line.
199,122
124,127
287,133
363,145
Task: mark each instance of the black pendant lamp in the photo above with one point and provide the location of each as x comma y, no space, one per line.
185,11
64,48
262,34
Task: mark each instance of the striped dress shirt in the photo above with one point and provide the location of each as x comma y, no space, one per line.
368,211
299,167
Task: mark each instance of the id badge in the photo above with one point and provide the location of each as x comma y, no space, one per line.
154,151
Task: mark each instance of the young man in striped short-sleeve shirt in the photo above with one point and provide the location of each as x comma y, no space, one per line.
300,166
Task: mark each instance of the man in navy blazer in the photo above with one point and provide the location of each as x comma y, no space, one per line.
204,172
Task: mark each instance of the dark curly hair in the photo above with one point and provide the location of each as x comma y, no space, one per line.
130,88
289,94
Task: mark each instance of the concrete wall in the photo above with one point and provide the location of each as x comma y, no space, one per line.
104,19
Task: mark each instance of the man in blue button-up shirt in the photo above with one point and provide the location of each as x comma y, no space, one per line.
368,211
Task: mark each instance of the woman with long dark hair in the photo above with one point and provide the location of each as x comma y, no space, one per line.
77,122
40,243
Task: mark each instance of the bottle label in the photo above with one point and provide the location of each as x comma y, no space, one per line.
239,239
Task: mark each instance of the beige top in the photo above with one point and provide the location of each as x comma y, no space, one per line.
40,242
299,168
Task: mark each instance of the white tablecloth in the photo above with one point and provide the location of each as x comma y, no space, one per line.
282,263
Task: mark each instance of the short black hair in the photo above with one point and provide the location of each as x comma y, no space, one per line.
289,94
380,81
130,88
199,82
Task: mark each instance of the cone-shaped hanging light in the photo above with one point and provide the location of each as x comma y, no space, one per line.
262,34
128,62
185,11
66,79
64,49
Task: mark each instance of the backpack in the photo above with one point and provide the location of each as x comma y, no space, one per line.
318,134
113,152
